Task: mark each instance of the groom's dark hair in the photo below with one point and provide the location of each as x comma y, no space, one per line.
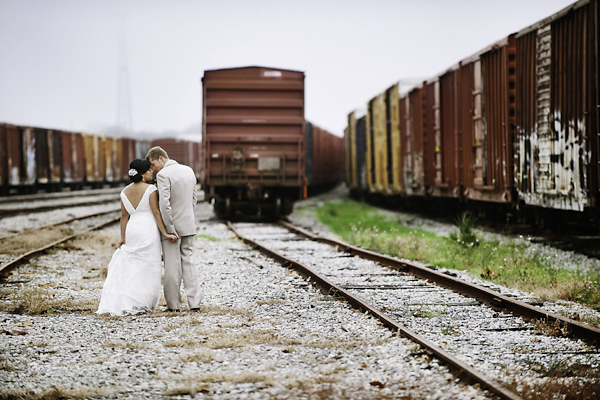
136,168
156,152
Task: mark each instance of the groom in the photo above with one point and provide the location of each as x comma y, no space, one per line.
176,185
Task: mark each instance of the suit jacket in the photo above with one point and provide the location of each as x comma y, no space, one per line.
176,185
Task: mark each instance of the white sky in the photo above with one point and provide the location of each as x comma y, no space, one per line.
59,58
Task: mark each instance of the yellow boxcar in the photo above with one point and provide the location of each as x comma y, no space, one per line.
392,105
93,158
350,137
110,157
378,144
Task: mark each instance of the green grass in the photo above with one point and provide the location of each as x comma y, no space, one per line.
207,237
507,263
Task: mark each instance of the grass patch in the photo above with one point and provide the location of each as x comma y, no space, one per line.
563,379
57,393
199,355
208,237
271,302
510,264
6,366
38,300
126,345
32,239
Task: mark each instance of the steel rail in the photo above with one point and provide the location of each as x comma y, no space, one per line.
66,221
6,211
59,195
464,370
487,296
9,266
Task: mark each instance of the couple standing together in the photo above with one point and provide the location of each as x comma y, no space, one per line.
148,214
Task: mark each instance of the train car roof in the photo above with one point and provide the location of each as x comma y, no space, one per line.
552,17
251,67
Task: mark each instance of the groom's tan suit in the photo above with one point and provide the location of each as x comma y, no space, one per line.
177,201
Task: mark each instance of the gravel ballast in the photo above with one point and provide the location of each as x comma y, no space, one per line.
262,333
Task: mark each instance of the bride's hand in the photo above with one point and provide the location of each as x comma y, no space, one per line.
121,243
172,237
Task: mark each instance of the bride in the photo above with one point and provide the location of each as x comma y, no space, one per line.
133,283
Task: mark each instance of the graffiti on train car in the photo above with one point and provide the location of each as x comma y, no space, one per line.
552,164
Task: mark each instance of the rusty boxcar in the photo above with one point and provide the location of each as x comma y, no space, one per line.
515,125
556,144
253,139
186,152
72,159
324,157
35,158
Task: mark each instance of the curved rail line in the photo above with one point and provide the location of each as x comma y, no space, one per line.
66,221
9,266
464,370
20,208
58,195
486,296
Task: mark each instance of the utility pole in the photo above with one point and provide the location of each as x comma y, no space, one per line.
124,118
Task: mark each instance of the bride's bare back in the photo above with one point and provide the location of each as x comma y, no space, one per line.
135,193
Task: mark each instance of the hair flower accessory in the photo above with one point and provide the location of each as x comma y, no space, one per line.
133,172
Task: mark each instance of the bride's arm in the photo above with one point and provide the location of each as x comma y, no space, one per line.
124,220
158,218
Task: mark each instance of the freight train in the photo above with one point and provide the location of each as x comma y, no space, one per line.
513,128
34,158
261,153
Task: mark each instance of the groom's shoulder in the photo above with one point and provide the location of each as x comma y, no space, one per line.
175,169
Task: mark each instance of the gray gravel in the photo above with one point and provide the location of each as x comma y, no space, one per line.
502,346
262,333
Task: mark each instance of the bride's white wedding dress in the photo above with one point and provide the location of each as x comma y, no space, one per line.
133,283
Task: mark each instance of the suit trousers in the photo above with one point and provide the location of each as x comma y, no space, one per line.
178,267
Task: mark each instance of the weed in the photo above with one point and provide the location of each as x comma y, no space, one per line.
5,366
32,239
425,313
245,377
199,355
271,302
207,237
562,379
125,345
449,330
38,300
465,223
555,328
58,393
563,369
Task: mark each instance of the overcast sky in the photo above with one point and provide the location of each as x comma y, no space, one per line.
59,59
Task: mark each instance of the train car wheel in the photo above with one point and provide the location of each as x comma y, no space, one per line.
277,211
227,207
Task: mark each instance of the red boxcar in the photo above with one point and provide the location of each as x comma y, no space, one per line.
557,141
324,157
185,152
253,139
73,166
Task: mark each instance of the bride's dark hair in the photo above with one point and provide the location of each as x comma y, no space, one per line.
137,168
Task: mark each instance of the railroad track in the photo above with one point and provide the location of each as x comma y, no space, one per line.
485,336
27,204
23,246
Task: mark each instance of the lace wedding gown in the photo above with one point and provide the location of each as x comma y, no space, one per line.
133,283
